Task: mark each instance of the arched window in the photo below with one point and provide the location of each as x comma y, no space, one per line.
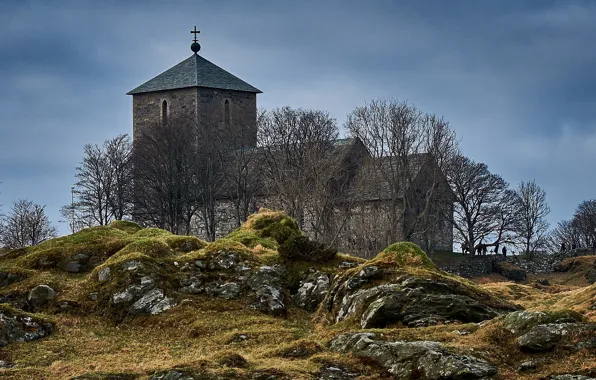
164,112
227,112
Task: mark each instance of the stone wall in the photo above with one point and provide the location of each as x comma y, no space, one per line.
207,105
473,266
147,107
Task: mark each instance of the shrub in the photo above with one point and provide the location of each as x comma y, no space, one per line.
300,247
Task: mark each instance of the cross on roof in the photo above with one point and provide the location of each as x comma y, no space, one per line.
195,32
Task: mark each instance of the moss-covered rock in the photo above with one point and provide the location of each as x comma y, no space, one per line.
126,226
521,321
251,239
19,326
79,252
401,286
272,224
152,233
184,244
152,247
404,254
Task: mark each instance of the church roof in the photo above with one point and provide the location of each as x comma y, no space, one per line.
194,71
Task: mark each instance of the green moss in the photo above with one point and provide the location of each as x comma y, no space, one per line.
96,242
12,311
213,249
404,254
184,243
272,224
152,232
149,246
251,239
126,226
126,257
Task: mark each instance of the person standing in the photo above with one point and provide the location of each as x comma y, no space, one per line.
505,251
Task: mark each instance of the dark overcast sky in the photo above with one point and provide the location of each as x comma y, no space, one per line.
515,79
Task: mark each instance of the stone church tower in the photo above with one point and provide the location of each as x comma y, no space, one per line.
199,89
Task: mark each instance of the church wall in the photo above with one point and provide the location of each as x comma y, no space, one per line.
242,126
146,107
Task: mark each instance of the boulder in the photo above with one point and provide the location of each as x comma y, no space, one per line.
544,337
414,302
41,295
591,275
228,290
336,372
171,375
153,302
18,326
528,365
78,263
7,278
401,285
509,271
521,321
268,285
406,360
571,377
312,290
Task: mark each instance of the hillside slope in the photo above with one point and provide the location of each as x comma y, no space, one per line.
122,302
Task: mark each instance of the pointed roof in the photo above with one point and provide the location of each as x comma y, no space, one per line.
194,71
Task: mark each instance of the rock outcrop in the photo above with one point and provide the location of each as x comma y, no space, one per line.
420,359
402,286
312,290
17,326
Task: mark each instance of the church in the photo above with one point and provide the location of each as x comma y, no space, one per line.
200,90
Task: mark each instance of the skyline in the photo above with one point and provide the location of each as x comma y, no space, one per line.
515,81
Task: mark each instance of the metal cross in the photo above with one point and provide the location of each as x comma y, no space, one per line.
195,32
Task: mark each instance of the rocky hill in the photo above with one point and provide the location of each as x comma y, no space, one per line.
122,302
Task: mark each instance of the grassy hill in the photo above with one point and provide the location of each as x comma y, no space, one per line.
263,303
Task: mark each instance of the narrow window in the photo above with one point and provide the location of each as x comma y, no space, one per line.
164,112
227,112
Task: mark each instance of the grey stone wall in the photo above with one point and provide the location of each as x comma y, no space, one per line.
240,129
205,104
473,266
146,107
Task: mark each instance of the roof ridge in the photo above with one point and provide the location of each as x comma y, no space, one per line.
195,71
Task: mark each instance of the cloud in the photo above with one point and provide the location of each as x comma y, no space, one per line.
515,79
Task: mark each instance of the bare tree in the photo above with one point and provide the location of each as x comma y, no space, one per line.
584,222
478,196
505,215
118,153
532,226
565,233
25,225
402,140
241,168
103,191
165,174
296,146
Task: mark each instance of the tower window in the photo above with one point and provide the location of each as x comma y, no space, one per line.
164,112
227,112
